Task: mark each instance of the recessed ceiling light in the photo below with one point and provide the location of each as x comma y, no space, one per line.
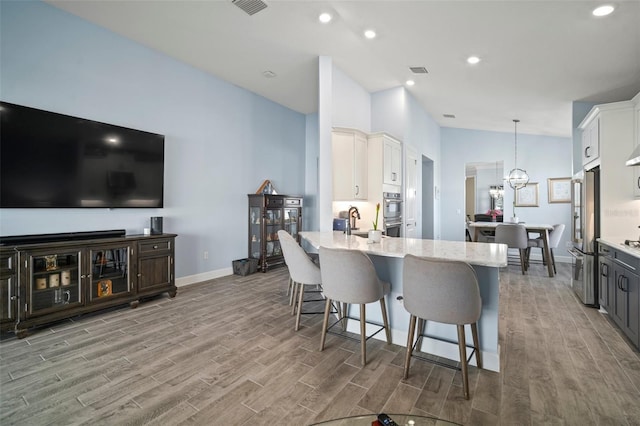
268,74
325,18
603,10
410,82
473,60
370,34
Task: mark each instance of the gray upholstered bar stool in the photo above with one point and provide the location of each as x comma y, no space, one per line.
303,272
444,291
349,277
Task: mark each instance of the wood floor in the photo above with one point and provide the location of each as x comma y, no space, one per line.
224,353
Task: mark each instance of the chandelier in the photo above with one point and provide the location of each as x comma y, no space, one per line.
517,178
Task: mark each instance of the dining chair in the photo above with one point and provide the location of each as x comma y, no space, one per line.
303,274
555,235
443,291
515,236
349,277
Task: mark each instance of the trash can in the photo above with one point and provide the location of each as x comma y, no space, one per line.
245,266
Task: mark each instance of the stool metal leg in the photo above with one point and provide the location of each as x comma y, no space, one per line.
463,360
407,360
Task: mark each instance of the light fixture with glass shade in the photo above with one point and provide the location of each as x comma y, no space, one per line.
518,178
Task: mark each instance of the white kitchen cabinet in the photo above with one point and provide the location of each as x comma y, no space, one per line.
591,142
392,170
615,129
385,163
349,159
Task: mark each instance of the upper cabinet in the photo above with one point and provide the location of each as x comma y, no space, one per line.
613,124
591,142
385,163
349,159
392,161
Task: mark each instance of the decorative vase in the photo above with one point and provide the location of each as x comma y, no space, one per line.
493,218
375,236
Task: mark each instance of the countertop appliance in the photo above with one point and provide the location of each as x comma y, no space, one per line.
585,229
340,224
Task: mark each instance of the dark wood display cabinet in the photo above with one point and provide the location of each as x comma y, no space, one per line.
49,280
267,215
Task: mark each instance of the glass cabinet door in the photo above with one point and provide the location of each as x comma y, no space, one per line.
109,272
55,281
273,225
255,222
291,222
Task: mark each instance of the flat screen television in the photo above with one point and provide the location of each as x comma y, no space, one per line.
51,160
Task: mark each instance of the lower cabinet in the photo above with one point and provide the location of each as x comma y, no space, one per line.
155,266
57,280
620,281
605,281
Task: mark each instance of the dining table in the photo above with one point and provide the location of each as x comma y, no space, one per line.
542,229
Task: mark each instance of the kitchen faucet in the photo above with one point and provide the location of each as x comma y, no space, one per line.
350,214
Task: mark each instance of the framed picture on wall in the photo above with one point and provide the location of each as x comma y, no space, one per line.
527,196
559,190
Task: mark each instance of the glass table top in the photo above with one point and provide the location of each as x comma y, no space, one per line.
399,419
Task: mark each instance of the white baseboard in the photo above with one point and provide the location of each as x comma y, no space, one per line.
205,276
490,360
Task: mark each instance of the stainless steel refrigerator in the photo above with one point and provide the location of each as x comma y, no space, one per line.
585,208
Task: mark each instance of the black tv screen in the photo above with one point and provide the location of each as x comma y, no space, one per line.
53,160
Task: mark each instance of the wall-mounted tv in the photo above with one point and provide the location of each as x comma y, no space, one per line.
51,160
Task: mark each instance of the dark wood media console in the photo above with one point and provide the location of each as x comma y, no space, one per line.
51,277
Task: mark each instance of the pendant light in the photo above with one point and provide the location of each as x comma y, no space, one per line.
517,178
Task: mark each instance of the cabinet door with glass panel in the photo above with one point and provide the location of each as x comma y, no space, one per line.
109,275
54,280
292,216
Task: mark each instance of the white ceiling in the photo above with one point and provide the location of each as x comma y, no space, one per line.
537,56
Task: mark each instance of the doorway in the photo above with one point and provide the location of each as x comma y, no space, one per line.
428,199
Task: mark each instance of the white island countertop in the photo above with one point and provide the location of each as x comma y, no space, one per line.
479,254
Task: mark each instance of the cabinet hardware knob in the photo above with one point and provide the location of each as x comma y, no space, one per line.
155,247
13,298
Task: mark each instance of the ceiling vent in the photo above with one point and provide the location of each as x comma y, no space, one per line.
449,115
250,6
419,70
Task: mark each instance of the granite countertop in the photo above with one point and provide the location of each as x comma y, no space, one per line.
618,245
480,254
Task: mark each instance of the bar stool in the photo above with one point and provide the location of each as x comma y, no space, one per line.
303,272
444,291
349,277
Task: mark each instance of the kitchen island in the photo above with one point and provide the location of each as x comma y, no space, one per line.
388,255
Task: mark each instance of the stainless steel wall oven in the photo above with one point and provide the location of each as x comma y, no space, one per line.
392,214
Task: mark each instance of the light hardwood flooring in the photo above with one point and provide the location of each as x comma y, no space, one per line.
224,352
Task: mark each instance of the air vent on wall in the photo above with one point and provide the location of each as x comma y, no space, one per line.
250,6
419,70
